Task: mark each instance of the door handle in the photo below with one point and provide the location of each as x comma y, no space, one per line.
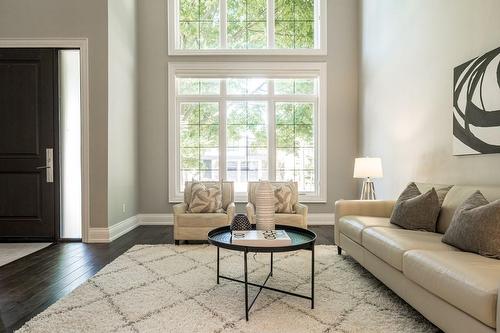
49,158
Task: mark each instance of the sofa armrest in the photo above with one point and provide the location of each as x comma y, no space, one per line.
302,209
180,208
377,208
231,210
250,208
498,311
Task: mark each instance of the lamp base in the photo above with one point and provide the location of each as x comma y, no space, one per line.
368,190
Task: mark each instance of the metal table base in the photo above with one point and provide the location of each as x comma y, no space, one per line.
263,286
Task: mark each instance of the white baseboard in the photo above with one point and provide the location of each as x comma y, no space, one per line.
168,219
321,219
107,235
156,219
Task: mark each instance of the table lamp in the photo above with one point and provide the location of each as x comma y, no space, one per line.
368,168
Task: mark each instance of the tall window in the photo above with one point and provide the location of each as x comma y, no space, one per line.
247,26
199,140
245,125
246,142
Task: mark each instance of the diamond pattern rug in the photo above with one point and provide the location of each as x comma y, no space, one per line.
167,288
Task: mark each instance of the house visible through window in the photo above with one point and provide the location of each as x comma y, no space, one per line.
246,125
240,26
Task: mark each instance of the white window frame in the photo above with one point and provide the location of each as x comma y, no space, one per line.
259,69
320,17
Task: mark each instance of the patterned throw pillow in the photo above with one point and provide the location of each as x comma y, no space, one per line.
417,211
284,198
205,199
475,227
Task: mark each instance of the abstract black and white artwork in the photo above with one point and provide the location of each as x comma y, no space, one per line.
476,105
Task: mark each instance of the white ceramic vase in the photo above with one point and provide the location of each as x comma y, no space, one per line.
264,206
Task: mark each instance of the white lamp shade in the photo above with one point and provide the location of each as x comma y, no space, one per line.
365,167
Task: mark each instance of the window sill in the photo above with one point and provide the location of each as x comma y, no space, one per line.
263,52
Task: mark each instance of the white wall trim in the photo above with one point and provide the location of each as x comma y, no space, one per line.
98,235
107,235
82,44
156,219
260,69
320,26
321,219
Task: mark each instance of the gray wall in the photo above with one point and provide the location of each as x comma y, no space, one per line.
73,18
408,52
342,102
122,112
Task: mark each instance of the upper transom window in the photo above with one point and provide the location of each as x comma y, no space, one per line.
247,27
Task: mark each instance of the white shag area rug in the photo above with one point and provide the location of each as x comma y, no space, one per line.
167,288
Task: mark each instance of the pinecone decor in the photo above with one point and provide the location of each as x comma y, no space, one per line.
240,222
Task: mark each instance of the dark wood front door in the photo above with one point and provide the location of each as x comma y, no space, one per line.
28,145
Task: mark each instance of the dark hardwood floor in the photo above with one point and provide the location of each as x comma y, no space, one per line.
31,284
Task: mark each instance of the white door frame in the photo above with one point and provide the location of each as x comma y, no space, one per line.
74,43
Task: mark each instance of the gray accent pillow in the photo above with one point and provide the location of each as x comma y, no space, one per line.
417,211
475,227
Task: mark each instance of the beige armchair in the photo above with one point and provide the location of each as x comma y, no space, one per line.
297,219
191,226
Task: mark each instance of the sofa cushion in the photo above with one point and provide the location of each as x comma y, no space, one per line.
475,227
456,196
353,226
202,220
415,210
390,244
466,280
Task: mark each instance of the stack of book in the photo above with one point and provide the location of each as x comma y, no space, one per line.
261,238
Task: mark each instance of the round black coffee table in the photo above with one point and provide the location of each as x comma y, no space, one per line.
302,239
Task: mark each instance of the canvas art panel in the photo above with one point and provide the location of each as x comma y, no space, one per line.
476,105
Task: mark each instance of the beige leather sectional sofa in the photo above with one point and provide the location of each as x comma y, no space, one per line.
457,291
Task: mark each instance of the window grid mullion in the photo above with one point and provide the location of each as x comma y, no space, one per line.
246,137
223,23
271,134
278,98
222,131
317,23
178,154
177,25
199,145
317,154
199,25
270,24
